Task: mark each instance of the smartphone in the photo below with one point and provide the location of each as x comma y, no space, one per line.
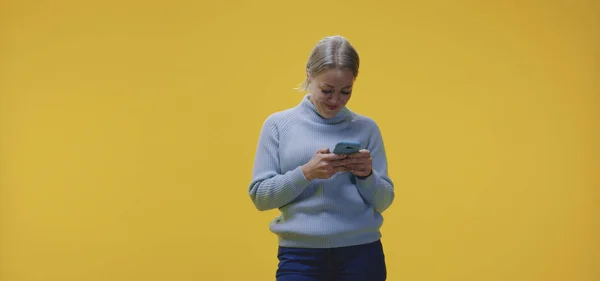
346,147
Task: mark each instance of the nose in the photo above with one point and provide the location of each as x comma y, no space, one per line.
334,98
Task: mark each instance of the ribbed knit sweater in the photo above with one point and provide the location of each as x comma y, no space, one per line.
343,210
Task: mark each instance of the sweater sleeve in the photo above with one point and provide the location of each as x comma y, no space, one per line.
269,187
377,188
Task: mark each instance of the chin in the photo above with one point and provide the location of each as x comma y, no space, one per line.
327,113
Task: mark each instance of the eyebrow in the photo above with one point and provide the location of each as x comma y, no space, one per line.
350,86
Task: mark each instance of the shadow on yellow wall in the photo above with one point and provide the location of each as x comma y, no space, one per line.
128,131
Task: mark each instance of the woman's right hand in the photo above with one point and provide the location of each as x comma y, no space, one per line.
323,165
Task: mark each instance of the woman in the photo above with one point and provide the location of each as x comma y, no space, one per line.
330,204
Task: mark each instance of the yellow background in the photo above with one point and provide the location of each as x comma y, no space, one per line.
128,130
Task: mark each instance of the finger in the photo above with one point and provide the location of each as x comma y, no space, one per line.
346,162
361,154
322,151
354,167
354,160
361,173
361,170
332,156
341,169
335,170
358,167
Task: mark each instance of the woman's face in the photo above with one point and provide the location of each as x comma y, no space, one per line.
331,90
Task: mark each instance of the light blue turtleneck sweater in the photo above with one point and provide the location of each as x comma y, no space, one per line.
343,210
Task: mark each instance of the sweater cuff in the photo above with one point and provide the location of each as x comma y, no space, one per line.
367,181
297,178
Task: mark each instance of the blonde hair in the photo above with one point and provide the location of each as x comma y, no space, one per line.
331,52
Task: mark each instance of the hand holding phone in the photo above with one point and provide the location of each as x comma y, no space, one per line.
359,163
323,165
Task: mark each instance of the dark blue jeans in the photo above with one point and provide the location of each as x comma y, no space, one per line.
355,263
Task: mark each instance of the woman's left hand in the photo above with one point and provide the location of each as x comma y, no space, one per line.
359,163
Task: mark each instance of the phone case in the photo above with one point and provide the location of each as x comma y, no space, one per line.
346,147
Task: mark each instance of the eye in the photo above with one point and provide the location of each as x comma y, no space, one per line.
326,91
347,93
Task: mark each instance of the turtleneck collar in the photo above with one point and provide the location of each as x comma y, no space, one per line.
314,115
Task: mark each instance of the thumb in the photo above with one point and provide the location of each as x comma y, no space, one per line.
323,151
